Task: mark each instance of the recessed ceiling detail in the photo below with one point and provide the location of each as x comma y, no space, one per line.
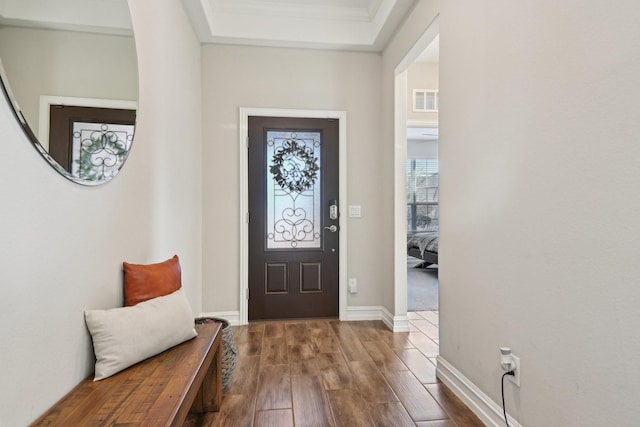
360,25
365,25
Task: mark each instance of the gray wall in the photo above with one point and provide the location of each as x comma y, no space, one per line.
66,63
539,204
538,231
63,244
236,76
421,75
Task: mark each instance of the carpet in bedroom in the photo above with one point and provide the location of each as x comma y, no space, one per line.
422,286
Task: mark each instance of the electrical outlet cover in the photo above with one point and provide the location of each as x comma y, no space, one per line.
515,378
353,286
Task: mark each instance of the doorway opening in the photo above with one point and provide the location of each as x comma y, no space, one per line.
416,176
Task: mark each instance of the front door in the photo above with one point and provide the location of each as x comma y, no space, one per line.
293,218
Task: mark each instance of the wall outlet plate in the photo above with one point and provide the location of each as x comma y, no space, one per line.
515,378
353,286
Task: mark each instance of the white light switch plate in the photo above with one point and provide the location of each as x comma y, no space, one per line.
355,211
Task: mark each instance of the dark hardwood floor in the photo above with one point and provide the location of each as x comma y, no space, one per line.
331,373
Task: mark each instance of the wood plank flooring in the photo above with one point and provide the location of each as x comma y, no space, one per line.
312,373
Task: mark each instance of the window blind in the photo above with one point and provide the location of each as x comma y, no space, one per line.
422,194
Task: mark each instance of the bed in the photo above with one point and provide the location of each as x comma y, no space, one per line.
423,245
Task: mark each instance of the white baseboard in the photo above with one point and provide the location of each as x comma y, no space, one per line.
400,324
396,324
363,312
353,313
486,409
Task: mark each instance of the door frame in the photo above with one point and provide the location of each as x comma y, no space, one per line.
399,179
46,101
245,113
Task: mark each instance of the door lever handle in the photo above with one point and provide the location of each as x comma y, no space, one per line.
332,228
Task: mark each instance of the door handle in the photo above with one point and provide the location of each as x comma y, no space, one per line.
332,228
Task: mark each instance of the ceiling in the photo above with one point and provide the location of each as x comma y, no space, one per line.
432,52
419,134
360,25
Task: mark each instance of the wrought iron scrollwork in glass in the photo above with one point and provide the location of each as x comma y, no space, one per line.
293,190
99,149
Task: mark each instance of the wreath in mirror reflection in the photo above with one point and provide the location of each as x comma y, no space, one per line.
100,153
294,166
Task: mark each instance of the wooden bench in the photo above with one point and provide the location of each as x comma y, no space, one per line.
160,391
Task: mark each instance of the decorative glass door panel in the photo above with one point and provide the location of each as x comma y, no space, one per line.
99,149
91,144
293,190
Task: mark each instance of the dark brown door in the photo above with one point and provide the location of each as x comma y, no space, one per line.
293,248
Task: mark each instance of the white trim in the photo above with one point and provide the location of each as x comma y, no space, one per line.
425,92
354,313
45,105
233,317
399,162
429,35
400,197
387,318
366,27
364,312
486,409
400,324
341,116
396,324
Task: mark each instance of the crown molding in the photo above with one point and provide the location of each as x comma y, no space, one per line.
359,25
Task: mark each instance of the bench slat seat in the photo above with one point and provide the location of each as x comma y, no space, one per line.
159,391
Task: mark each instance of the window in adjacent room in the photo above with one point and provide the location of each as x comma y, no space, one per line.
425,101
422,194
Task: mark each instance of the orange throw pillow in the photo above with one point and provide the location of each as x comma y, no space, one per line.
143,282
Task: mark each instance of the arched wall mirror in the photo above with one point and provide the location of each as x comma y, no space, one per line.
69,69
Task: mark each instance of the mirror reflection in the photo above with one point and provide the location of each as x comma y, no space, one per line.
70,69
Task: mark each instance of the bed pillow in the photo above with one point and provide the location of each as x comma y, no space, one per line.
124,336
145,281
